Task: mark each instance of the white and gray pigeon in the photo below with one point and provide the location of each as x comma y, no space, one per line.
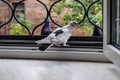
59,36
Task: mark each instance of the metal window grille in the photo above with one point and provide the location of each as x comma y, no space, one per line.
28,40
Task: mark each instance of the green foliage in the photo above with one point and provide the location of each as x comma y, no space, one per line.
99,17
77,14
17,29
67,18
59,7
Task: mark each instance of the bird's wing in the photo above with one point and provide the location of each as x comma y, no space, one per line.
42,41
50,38
49,41
60,31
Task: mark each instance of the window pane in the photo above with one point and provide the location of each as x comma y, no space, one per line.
115,23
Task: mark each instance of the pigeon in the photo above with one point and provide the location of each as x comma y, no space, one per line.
97,31
46,30
58,37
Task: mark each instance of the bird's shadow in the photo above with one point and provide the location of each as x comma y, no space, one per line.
44,47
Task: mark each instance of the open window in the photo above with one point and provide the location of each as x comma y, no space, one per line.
112,30
52,14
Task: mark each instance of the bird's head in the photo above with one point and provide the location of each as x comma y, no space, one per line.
74,24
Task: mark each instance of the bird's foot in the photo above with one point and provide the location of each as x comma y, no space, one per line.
57,45
67,45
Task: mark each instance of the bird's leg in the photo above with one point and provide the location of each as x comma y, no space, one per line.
65,44
57,45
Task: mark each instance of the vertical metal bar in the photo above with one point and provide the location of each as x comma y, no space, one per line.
118,22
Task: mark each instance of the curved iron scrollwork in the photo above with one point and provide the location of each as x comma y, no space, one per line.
45,18
86,14
3,24
36,25
18,20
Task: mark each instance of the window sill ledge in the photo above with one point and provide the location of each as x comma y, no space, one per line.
53,55
113,54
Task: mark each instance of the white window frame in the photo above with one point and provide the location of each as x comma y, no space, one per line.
109,50
54,55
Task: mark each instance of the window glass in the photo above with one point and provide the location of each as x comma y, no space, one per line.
115,30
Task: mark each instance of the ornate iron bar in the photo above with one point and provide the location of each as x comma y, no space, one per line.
45,18
61,0
2,25
86,14
17,19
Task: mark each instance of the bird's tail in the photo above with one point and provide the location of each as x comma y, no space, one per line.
42,41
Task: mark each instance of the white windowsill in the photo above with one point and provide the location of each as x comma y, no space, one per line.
113,54
114,49
62,55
